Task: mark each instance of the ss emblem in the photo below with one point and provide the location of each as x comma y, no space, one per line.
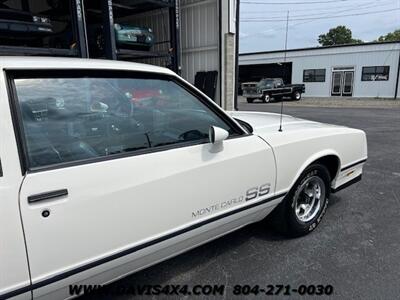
260,191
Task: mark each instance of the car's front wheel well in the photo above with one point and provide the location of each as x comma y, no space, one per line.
331,162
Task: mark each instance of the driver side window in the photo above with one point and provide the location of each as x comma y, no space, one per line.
67,119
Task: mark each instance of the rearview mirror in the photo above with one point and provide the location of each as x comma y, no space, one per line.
217,135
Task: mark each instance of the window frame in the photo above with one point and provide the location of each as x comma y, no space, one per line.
314,75
12,74
375,73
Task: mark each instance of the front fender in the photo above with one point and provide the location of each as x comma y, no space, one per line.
313,158
296,149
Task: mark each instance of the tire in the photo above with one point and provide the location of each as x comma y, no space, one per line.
296,96
266,98
250,100
293,216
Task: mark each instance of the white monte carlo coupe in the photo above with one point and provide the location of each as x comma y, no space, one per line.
110,167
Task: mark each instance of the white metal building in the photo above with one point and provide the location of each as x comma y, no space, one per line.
363,70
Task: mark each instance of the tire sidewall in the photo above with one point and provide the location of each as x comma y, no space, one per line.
266,98
298,227
295,96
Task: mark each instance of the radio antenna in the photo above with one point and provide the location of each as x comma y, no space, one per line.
284,67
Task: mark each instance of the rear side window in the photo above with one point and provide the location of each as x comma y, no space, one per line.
73,119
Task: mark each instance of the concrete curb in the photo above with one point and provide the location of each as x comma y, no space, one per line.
335,102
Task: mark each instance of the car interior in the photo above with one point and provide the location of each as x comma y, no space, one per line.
73,119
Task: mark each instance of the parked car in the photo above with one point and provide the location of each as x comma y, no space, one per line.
133,36
22,24
272,88
126,36
93,187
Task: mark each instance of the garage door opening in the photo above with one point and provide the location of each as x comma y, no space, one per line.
257,72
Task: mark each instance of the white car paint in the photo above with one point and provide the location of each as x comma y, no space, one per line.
106,229
301,142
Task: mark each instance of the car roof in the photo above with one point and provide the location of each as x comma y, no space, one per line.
38,63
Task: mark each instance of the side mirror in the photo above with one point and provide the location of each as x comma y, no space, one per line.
217,135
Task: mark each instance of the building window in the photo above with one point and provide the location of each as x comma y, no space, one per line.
377,73
314,75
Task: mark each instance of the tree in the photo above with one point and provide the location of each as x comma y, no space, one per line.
339,35
390,37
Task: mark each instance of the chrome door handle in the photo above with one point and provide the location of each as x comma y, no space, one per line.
47,196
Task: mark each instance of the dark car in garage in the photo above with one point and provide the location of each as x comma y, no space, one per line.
20,23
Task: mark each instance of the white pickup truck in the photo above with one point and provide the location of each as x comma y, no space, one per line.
110,167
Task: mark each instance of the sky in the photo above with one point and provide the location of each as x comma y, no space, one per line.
263,22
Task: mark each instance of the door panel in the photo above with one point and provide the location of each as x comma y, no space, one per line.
348,83
14,267
114,205
336,83
117,162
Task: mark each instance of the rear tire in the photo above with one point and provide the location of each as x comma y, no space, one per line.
250,100
296,96
305,205
266,98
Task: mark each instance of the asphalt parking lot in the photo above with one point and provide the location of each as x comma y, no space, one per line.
356,249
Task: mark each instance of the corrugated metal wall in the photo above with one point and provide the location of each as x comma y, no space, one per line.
200,36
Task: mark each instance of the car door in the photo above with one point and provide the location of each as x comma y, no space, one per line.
14,272
276,88
118,166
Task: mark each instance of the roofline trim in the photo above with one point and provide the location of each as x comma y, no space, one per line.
68,63
319,48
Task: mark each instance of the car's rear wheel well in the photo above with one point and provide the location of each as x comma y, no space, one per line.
331,162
